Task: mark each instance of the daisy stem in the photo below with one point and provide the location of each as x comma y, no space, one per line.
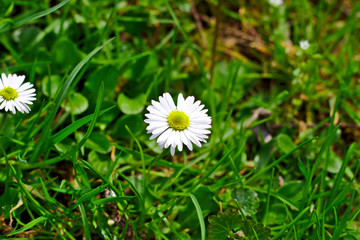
3,120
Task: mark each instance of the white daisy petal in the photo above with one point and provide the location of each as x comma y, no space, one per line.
180,103
155,111
5,80
27,92
200,121
3,104
19,81
18,107
6,106
154,136
177,125
201,131
165,105
189,101
154,117
156,125
192,138
178,141
164,136
186,140
169,140
24,87
200,126
170,101
172,151
159,130
159,107
153,120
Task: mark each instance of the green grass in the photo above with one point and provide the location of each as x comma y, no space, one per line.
282,161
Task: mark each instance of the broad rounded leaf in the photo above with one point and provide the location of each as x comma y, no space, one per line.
98,142
65,54
231,226
131,106
225,226
109,76
134,122
50,85
285,143
99,161
248,200
77,104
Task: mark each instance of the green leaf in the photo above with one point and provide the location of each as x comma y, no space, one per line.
131,106
77,104
247,199
276,214
66,87
109,76
112,199
89,195
59,136
65,54
29,225
285,143
292,190
65,145
230,226
261,232
99,161
50,85
6,7
4,27
200,215
225,226
134,122
141,67
99,142
205,198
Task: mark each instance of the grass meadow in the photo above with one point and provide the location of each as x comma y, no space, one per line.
280,80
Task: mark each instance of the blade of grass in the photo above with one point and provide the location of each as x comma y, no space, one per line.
93,121
340,174
61,135
85,222
344,219
89,195
200,215
21,21
208,173
28,225
262,171
111,199
59,98
292,223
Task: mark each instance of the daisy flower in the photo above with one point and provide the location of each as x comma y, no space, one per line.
186,123
14,94
304,44
109,193
276,3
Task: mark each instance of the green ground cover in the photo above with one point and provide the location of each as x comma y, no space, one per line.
281,162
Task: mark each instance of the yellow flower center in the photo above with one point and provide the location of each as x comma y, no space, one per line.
9,93
178,120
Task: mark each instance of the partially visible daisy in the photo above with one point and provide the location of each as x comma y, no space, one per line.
276,3
14,94
109,193
186,123
304,44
